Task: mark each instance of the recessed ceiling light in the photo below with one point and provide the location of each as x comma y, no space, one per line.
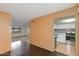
68,20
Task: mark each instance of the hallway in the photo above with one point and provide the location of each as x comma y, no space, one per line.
31,31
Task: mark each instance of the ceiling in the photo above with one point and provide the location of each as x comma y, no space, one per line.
66,20
23,12
65,23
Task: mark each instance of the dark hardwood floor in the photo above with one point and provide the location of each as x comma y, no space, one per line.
27,49
37,51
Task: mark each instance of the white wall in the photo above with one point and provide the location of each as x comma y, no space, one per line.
23,30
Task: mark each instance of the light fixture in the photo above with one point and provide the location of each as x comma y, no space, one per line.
68,20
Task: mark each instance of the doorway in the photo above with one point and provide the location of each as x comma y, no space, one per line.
64,35
19,43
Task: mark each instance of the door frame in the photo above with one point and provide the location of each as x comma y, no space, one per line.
65,18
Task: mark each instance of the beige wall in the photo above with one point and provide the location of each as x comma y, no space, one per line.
5,35
77,30
41,28
40,33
